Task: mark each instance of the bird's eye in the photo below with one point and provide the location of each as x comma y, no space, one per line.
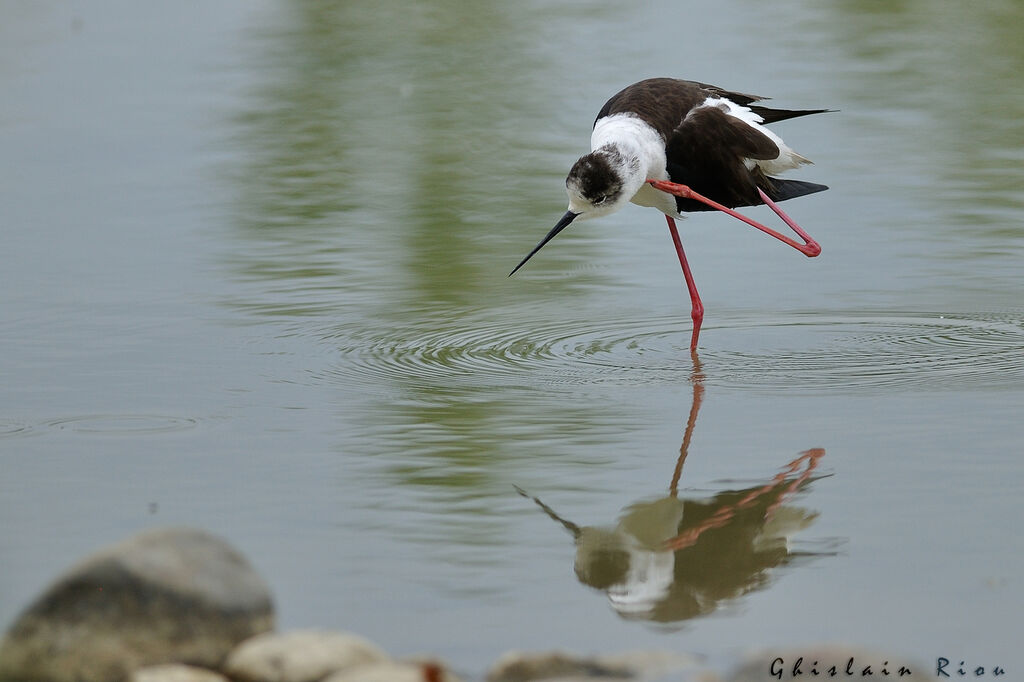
600,200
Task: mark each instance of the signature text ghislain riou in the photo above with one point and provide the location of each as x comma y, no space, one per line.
943,668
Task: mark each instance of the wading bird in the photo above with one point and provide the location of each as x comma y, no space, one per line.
681,146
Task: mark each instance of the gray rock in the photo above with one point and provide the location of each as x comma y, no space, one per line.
175,672
163,596
527,667
393,671
561,667
299,656
655,665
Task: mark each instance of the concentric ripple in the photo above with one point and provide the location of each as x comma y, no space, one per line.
808,351
10,428
556,352
121,424
887,351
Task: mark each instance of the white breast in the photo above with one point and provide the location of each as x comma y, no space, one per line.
631,134
634,136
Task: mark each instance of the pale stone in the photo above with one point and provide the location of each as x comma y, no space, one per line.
175,672
393,671
561,667
162,596
299,656
432,668
526,667
652,664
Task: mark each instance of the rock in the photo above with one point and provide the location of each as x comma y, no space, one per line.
791,664
300,656
560,667
526,667
175,672
393,671
655,664
166,595
432,669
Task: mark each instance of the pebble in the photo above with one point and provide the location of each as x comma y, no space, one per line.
138,611
517,666
162,596
175,672
393,671
299,656
562,667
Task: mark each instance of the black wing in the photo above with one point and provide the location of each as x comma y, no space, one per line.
707,152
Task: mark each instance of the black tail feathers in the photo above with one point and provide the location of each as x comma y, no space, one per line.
772,115
781,190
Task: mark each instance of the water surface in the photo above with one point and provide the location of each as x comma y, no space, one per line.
254,275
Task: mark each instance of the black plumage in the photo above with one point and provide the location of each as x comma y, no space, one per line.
706,148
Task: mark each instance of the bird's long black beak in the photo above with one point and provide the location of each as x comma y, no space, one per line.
562,224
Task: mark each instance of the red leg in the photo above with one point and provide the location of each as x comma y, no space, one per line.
727,513
697,309
809,248
691,422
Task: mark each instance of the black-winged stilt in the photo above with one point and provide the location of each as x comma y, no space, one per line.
704,146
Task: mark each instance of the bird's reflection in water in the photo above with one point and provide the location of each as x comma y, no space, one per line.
672,558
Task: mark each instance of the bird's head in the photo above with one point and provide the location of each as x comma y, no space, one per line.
602,182
599,183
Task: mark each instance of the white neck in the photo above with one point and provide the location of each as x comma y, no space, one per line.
634,139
